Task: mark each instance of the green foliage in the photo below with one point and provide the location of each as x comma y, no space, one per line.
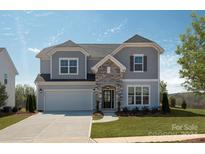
184,104
163,89
172,101
119,106
21,94
34,101
192,55
97,106
165,103
3,95
192,99
30,103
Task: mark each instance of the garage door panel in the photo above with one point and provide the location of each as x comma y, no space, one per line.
68,100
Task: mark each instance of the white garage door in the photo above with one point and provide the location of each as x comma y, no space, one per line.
68,100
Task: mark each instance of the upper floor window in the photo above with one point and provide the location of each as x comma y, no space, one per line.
5,79
68,66
138,63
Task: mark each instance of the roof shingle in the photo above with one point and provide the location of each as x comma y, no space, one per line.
137,38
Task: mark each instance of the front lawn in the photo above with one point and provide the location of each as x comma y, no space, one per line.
8,120
178,122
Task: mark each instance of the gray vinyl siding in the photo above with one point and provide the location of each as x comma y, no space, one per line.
152,62
68,54
44,66
154,92
40,105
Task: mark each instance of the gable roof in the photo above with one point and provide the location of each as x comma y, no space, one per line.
137,39
102,50
99,50
108,57
68,43
11,62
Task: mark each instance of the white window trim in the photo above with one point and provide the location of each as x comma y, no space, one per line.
68,69
138,55
141,96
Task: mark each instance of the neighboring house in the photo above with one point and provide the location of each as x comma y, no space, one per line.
8,73
75,76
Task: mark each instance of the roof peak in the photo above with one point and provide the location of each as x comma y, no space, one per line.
68,43
137,38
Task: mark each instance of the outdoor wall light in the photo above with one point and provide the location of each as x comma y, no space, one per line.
40,90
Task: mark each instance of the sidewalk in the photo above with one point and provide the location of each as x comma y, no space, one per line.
142,139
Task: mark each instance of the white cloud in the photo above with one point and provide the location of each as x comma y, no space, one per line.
56,38
111,30
34,50
170,72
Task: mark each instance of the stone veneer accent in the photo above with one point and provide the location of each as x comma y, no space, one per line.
112,80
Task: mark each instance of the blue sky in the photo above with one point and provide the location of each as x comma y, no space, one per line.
25,33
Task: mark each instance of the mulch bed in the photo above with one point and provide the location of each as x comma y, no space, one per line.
99,113
197,140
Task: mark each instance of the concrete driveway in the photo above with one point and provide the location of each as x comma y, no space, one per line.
50,127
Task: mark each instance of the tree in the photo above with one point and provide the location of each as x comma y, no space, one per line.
22,91
192,55
34,102
165,103
172,101
30,104
163,89
184,105
20,96
3,95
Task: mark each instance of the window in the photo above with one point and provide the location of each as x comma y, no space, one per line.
130,95
108,70
138,63
5,79
138,95
68,66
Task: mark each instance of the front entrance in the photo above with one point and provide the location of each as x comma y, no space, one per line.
108,98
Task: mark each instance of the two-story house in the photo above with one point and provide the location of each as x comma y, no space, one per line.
75,76
8,73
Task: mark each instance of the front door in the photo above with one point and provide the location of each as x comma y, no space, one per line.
108,98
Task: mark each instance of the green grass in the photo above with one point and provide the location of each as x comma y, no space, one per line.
8,120
152,124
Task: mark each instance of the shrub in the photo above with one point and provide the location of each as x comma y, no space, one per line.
154,110
14,109
145,110
29,104
135,111
184,105
34,102
3,95
172,101
165,104
7,109
97,106
125,110
118,106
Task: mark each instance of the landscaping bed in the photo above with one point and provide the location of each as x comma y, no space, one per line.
152,124
98,115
